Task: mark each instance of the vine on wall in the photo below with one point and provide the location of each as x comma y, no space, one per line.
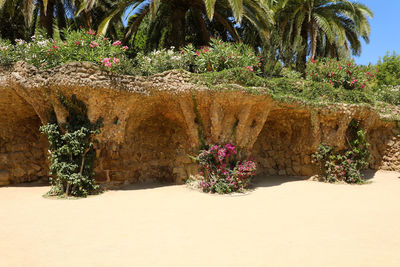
72,153
345,165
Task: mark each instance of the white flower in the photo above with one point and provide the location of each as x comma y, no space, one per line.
42,43
148,59
177,58
19,41
170,52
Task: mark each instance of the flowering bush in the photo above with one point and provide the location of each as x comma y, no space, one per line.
342,73
345,165
78,46
216,57
221,55
162,60
221,172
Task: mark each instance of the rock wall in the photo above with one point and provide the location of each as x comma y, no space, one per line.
151,124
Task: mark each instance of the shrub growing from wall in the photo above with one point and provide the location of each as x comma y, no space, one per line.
345,165
72,154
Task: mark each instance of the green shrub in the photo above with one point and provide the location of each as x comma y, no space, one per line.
388,94
339,74
289,73
345,165
388,70
7,52
71,151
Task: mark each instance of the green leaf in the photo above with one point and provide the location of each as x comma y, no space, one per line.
210,5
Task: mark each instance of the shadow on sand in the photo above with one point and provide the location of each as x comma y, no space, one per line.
258,181
270,181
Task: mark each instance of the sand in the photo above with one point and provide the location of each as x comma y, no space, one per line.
283,222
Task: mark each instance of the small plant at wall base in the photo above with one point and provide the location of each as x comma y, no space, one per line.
345,165
71,151
221,172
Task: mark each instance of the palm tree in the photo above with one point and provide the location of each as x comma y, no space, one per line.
50,12
170,17
325,26
12,20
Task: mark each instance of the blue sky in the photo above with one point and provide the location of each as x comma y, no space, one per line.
385,30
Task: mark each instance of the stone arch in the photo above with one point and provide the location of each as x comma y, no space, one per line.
22,147
286,143
154,149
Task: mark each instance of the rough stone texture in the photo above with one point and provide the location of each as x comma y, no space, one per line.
151,124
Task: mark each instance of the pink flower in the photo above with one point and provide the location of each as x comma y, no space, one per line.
250,68
125,47
198,53
55,47
77,42
117,43
362,86
93,44
116,61
106,62
91,32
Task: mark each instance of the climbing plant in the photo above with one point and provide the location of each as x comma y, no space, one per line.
72,154
345,165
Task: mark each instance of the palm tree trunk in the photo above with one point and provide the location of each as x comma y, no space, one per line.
314,29
61,19
205,35
47,18
178,23
302,54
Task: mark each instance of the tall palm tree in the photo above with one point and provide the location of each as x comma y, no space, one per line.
12,20
329,24
50,12
173,14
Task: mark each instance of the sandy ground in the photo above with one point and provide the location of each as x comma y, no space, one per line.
283,222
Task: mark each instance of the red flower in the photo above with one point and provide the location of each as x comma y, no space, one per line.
250,68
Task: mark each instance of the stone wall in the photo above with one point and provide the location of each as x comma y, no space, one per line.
152,124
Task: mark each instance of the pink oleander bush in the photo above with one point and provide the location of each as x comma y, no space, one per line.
339,73
221,172
82,45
